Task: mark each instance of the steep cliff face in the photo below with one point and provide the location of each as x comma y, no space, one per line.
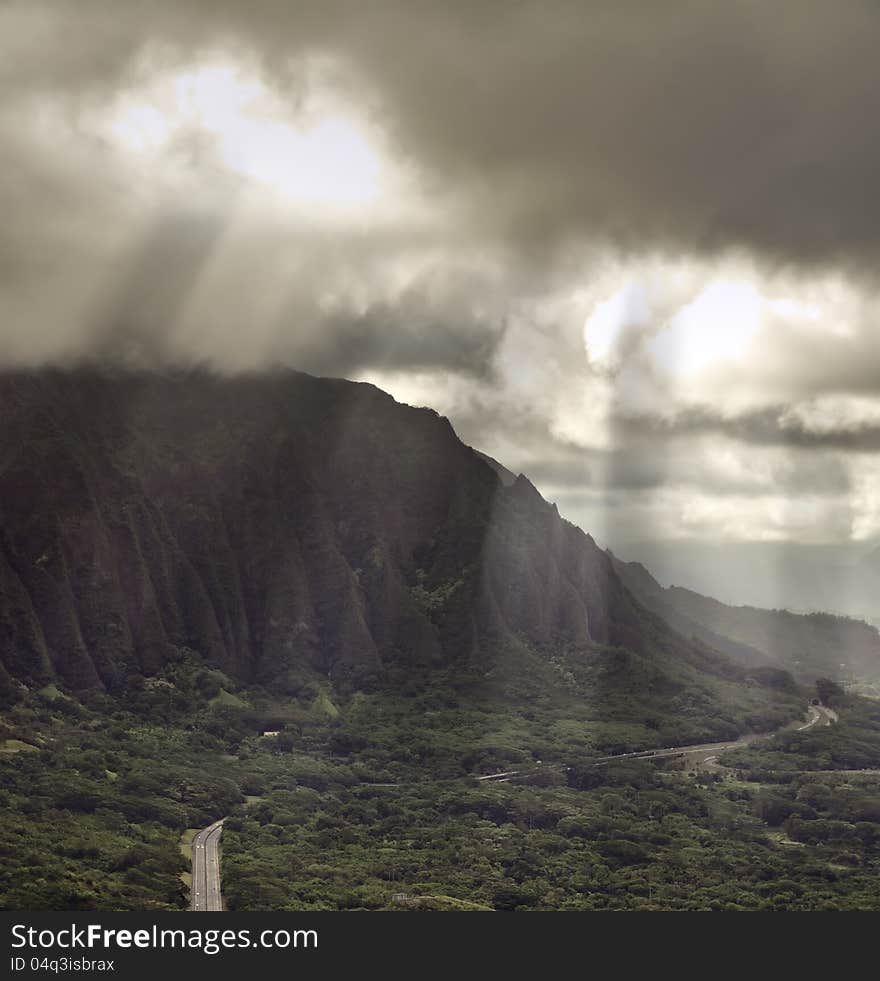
274,522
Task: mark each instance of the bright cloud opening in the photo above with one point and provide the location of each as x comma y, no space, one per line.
319,156
717,325
605,326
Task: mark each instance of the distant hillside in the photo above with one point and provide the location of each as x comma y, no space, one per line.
808,645
843,579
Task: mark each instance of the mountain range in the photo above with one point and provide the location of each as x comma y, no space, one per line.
285,527
808,645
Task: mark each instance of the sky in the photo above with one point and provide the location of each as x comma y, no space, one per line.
630,248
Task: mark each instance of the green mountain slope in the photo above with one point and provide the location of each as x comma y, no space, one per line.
286,529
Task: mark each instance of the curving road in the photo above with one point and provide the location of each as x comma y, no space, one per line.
817,713
206,896
702,753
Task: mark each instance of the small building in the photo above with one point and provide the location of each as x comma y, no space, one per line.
271,732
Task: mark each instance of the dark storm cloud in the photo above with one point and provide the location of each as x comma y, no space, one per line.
398,337
684,125
680,126
637,465
553,148
433,324
771,427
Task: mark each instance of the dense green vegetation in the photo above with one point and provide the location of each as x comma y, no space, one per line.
852,744
367,795
566,835
636,837
94,807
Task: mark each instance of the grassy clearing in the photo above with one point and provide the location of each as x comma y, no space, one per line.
16,746
186,840
781,838
225,697
324,706
187,880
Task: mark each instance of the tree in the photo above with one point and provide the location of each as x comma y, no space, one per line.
827,690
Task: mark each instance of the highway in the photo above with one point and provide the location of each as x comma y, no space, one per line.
703,753
206,896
